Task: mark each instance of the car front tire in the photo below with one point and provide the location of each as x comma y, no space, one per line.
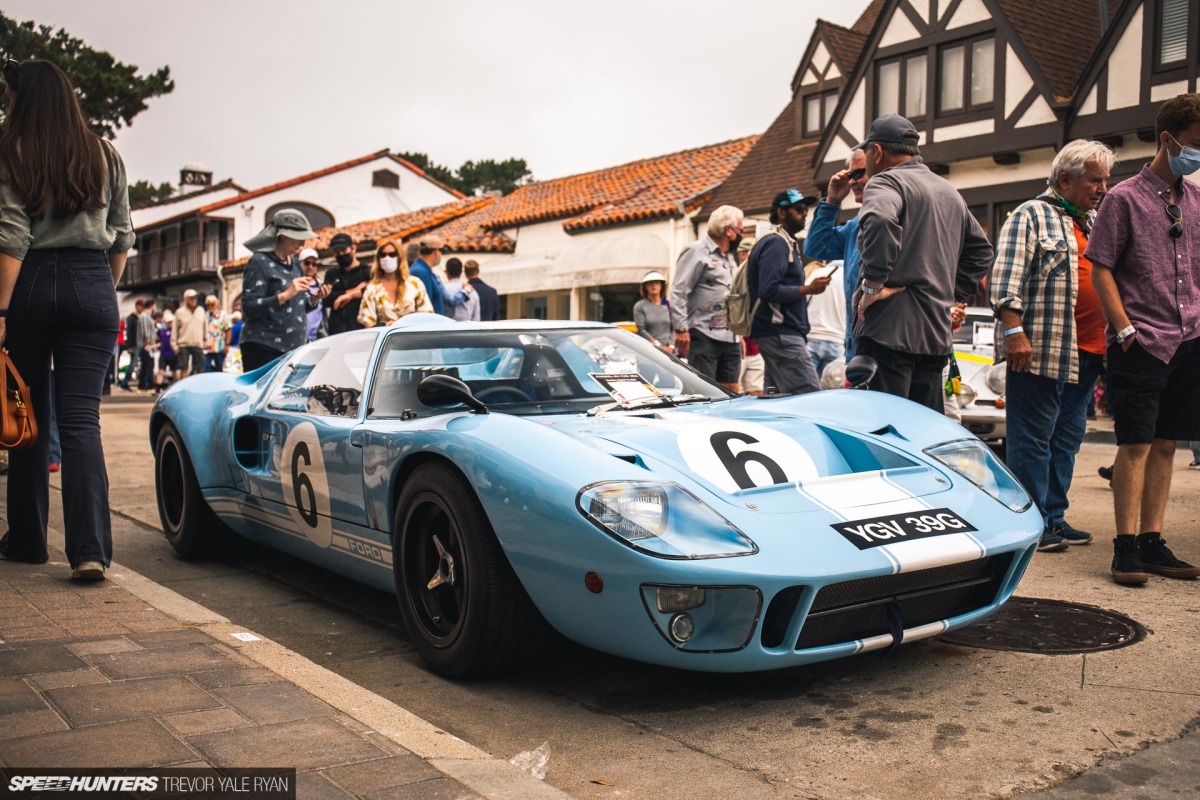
191,527
465,611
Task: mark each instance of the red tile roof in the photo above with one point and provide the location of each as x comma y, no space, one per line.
776,163
216,187
321,173
652,188
403,226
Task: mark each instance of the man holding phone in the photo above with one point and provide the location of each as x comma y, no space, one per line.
778,286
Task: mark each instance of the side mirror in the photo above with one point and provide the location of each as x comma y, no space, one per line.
860,371
443,391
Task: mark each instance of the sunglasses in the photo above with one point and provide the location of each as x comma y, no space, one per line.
858,174
1175,213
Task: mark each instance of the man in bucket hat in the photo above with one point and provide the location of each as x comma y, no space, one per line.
275,296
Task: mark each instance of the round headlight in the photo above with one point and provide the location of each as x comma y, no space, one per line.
995,377
682,627
966,396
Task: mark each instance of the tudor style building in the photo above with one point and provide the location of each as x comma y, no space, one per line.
994,86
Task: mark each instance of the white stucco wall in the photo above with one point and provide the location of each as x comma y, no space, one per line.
1125,66
347,194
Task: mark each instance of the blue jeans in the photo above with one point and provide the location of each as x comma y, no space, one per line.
1046,422
63,306
824,353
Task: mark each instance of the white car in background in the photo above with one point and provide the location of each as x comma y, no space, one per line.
982,399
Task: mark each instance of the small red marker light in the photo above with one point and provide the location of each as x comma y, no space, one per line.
999,402
594,583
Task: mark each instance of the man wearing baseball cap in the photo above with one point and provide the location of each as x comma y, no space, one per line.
346,285
922,251
776,281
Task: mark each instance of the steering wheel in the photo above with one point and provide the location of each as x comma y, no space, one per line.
515,394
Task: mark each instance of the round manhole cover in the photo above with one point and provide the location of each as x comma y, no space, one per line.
1032,625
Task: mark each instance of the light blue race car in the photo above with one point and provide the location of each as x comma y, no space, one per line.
501,476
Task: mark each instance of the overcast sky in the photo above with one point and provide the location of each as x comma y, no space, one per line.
266,90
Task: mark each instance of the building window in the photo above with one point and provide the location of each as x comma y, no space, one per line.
900,86
317,217
385,178
818,111
967,76
1173,27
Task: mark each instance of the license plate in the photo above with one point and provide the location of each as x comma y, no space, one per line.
894,528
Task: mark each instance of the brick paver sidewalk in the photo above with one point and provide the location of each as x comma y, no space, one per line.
92,676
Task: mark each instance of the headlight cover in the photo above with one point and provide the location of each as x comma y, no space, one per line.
662,519
966,395
996,376
975,461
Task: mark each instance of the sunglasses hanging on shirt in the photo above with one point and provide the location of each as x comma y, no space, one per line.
1175,213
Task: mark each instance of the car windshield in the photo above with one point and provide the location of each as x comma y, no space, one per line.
527,372
977,331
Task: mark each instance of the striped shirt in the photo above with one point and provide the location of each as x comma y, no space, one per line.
1037,274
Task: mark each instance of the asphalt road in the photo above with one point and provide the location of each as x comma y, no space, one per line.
934,720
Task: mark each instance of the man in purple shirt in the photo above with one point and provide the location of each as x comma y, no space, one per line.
1145,253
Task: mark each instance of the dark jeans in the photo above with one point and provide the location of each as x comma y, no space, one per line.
720,361
255,355
1047,420
214,362
145,373
63,306
910,375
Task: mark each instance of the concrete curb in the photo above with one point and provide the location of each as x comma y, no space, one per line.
489,776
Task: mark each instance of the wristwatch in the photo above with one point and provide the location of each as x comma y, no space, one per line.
870,289
1125,333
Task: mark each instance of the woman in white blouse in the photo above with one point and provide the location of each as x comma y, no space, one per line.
392,292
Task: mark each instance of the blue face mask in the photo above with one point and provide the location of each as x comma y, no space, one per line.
1187,162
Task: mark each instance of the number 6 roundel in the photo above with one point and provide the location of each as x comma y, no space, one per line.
736,455
305,486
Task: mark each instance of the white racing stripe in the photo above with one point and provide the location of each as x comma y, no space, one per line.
843,495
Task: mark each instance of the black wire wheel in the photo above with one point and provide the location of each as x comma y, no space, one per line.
465,611
189,524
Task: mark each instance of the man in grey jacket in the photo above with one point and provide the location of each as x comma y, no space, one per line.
922,250
703,275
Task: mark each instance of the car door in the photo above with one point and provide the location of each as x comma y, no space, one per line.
315,468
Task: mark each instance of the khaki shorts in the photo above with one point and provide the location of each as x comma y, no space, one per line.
751,379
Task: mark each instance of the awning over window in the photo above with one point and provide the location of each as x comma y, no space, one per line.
599,261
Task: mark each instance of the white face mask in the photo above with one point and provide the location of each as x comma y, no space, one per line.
389,263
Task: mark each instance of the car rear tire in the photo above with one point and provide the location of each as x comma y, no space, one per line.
191,527
463,606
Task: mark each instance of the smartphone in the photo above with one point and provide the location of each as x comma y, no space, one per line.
833,271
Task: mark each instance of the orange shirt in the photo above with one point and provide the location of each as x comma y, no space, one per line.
1089,314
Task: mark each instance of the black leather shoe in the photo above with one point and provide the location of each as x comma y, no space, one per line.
1126,567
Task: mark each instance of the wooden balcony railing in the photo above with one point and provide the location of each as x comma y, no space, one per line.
176,261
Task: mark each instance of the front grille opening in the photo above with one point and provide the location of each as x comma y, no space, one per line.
779,616
843,612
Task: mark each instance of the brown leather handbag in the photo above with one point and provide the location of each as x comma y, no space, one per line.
18,428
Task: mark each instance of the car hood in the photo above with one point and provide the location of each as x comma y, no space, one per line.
781,464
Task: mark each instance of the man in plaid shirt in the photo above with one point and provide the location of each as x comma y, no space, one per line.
1051,331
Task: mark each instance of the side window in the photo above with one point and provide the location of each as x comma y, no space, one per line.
324,378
